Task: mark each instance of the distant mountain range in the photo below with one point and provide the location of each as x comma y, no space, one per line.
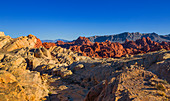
54,41
122,37
130,36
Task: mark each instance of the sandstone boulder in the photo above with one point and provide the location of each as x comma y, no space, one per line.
2,34
61,71
42,53
79,66
27,86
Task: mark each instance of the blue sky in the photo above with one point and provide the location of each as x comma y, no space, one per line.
69,19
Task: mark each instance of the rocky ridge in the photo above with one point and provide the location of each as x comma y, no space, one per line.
9,44
121,38
59,74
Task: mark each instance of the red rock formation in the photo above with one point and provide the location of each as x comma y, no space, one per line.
48,44
60,42
83,41
96,47
109,49
38,43
80,41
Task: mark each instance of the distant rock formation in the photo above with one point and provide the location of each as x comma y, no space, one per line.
78,42
48,44
54,41
130,36
109,49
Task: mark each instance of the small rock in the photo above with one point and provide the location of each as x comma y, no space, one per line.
66,73
79,66
127,56
1,56
63,72
152,83
62,87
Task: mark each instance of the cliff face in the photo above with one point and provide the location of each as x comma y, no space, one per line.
130,36
109,49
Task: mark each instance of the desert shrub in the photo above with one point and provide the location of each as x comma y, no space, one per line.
49,93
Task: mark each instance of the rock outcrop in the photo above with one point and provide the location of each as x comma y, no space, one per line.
2,34
9,44
78,42
17,83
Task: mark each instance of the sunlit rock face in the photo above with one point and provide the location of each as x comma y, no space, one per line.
9,44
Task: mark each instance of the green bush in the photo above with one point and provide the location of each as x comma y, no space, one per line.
49,93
